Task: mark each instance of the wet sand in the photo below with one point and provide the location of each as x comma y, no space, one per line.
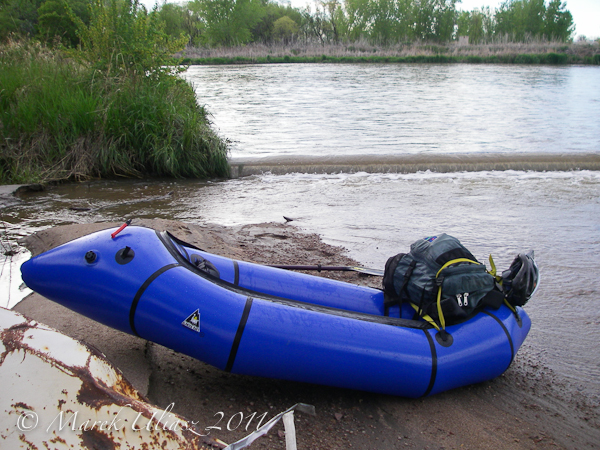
526,408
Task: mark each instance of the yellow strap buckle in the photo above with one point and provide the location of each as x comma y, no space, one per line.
439,295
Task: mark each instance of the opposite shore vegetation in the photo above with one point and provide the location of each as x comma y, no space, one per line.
92,89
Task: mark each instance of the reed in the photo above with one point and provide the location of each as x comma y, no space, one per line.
61,120
362,52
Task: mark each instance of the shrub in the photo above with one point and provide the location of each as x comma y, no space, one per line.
60,119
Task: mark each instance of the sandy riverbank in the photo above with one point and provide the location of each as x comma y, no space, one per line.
526,408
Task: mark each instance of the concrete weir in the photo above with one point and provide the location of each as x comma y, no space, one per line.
412,163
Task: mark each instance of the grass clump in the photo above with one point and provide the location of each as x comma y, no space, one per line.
60,120
114,108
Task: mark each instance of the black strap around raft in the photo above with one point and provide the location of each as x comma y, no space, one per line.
434,364
508,336
140,292
238,335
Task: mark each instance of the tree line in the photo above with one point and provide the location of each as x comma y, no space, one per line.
216,23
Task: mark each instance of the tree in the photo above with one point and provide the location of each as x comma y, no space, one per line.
315,25
173,16
444,19
383,18
54,20
229,22
193,25
285,29
381,21
327,21
18,16
463,24
558,22
335,16
263,31
477,25
526,19
123,38
507,19
422,13
533,18
357,18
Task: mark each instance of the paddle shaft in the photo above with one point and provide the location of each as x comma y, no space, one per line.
319,268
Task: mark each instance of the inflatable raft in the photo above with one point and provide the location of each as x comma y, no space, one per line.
257,320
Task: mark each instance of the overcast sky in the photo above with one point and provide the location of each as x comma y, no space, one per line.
586,13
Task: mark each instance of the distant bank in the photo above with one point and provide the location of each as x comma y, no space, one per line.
553,53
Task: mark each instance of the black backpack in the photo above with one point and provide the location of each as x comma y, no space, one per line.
442,281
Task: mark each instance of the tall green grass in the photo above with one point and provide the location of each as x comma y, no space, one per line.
60,119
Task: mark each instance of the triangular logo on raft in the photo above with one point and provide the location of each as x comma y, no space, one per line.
193,321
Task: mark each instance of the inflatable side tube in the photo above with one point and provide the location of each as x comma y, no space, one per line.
284,283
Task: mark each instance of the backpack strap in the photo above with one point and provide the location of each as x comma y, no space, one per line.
388,274
392,297
498,279
425,317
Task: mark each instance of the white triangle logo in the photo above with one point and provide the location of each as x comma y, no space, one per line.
193,321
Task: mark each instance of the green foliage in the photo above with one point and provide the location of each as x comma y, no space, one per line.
556,58
174,18
54,20
263,30
158,128
18,17
193,25
524,20
228,22
477,25
390,21
127,28
123,37
285,29
45,19
558,22
60,120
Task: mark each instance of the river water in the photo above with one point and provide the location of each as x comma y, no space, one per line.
368,110
373,109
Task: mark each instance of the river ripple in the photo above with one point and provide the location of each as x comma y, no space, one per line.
371,109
